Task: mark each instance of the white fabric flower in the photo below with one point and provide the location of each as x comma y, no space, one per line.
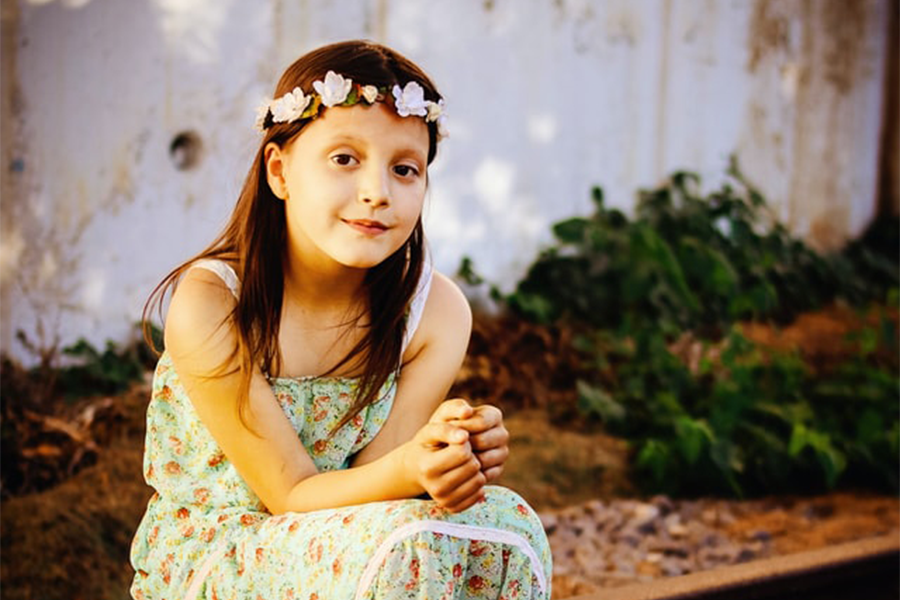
410,100
435,110
436,114
370,93
442,131
261,113
334,90
289,107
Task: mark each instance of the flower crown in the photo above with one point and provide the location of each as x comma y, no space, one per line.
337,90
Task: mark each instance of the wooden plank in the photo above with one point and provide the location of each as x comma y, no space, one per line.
866,569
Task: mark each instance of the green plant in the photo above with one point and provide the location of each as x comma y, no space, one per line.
94,372
86,370
689,261
740,419
748,421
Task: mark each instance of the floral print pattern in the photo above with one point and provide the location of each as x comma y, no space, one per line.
206,535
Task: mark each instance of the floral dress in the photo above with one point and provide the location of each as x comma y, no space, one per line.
206,535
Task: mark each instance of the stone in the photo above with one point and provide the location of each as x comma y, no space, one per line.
549,521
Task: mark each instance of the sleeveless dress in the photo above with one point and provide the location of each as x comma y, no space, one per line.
206,535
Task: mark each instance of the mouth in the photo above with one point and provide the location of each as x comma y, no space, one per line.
366,226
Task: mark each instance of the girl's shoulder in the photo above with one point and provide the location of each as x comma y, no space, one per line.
445,316
201,304
223,270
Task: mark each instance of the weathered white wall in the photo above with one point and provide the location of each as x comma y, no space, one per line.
546,99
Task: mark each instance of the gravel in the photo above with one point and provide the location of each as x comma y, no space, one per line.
609,544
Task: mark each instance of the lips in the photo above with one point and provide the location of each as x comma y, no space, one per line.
366,226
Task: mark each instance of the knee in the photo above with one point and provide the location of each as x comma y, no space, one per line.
504,498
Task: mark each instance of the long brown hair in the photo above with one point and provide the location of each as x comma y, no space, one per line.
255,239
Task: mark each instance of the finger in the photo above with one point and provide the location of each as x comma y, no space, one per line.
493,474
460,475
438,463
440,434
492,458
467,502
455,409
492,438
483,418
463,491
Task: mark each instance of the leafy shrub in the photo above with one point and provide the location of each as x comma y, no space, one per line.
692,262
742,419
749,420
88,370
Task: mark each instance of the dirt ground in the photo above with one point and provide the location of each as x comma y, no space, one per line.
71,541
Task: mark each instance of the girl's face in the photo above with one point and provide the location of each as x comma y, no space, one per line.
353,182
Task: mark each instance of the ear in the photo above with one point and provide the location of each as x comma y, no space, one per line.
275,167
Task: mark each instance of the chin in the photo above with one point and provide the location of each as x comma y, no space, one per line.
364,258
361,262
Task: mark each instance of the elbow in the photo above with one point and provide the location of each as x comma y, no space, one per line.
290,501
277,508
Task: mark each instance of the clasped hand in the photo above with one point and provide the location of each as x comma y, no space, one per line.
460,450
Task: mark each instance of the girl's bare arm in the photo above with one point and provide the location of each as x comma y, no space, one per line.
432,362
265,449
430,365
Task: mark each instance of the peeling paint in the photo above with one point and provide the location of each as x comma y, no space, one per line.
11,247
12,242
622,25
845,52
770,29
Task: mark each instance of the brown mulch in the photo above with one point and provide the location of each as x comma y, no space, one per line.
518,365
824,337
72,541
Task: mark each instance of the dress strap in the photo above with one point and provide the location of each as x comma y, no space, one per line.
223,270
417,304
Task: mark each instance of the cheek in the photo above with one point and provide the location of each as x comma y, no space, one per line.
413,202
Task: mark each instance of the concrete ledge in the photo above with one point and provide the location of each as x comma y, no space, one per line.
863,570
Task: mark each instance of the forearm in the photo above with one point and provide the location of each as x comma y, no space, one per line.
378,480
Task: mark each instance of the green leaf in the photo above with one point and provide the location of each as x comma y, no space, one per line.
592,399
654,455
571,231
466,272
693,436
870,427
597,197
832,461
800,439
868,340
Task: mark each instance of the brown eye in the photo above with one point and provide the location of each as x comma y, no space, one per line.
406,171
344,160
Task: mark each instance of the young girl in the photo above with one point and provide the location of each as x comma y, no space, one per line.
298,438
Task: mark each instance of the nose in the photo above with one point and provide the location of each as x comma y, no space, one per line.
374,188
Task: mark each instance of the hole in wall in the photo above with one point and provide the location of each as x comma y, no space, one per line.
186,150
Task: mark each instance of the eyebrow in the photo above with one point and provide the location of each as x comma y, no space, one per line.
402,150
